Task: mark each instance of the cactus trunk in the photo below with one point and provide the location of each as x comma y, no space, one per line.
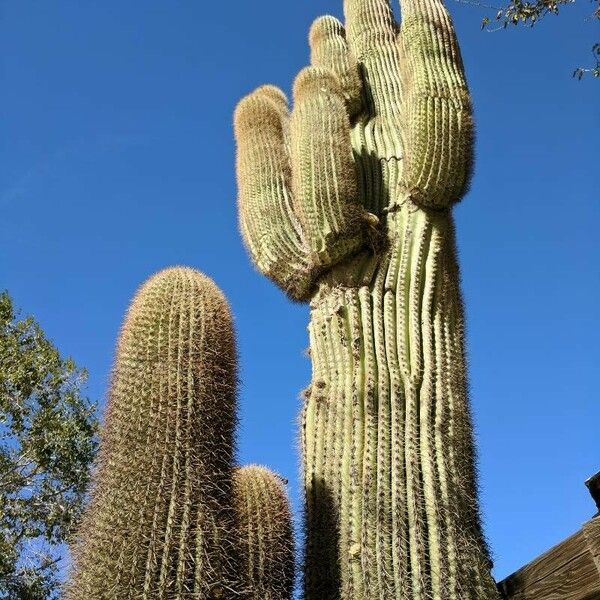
388,451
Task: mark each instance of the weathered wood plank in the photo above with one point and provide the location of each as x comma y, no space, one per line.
568,571
591,531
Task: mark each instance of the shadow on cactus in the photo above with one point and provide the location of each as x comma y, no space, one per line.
379,144
170,516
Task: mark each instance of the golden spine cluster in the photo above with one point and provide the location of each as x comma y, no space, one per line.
161,522
380,136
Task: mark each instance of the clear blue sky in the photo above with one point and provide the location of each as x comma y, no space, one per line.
117,159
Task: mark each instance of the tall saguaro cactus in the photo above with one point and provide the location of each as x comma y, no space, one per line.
378,145
165,519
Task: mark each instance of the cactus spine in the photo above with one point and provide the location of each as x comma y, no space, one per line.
161,521
380,138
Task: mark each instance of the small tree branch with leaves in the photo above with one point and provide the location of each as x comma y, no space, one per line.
47,443
520,12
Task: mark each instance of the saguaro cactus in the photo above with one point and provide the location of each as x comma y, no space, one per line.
379,142
163,521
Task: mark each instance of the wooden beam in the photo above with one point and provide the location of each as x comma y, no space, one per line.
591,531
569,571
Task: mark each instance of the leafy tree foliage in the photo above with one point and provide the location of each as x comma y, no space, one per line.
47,442
524,12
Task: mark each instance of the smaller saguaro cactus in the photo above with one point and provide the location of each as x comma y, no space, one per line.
161,523
264,531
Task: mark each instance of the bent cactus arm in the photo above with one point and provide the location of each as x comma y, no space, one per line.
380,138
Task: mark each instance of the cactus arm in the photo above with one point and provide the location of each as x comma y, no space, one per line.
267,222
329,51
298,200
436,105
372,31
323,171
264,531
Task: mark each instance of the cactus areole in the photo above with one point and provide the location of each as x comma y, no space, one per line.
345,202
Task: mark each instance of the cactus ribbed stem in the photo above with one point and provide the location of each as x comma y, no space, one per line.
160,524
393,487
323,173
264,531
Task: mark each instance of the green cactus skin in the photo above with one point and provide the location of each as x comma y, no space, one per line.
264,530
380,136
